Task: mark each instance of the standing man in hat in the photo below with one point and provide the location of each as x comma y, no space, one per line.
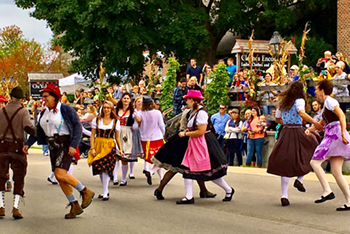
59,127
15,120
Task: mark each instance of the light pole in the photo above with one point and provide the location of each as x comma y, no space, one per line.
275,42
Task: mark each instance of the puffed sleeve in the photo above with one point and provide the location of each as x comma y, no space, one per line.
330,103
278,113
300,104
202,118
117,126
93,123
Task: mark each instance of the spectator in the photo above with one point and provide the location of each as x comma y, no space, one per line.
90,115
294,70
117,93
256,138
30,102
77,97
90,94
219,121
194,70
143,91
64,98
157,92
192,84
340,57
341,90
231,69
268,95
323,63
178,96
317,108
272,125
234,137
142,84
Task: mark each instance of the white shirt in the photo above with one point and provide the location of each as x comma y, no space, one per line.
202,118
330,103
152,125
51,121
105,127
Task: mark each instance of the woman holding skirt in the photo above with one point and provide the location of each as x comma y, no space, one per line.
102,155
334,147
204,159
125,111
293,150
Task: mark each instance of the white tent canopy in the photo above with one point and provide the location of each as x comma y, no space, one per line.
73,82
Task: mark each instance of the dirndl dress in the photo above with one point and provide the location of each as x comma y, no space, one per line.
150,148
106,153
204,158
293,150
332,144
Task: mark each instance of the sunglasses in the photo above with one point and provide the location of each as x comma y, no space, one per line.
222,108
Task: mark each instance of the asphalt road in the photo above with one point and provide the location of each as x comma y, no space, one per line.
255,207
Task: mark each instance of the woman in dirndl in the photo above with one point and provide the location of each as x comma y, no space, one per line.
204,159
334,147
170,157
293,150
152,130
102,154
125,111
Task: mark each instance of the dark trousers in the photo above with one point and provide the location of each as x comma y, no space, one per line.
234,147
222,142
18,166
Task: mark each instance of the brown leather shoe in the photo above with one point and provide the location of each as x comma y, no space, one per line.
75,210
87,195
2,211
16,214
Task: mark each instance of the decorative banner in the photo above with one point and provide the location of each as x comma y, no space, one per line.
36,86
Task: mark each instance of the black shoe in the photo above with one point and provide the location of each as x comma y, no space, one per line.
187,201
105,198
131,177
299,186
284,201
228,198
111,178
115,183
343,208
52,182
149,177
123,183
323,199
158,194
207,195
101,196
144,171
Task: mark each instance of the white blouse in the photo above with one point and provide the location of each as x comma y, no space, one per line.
105,127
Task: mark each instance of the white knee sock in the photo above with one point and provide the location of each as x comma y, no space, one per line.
132,165
160,173
154,169
115,171
101,178
105,182
222,183
284,186
71,168
124,172
52,177
16,201
2,199
145,166
189,188
300,178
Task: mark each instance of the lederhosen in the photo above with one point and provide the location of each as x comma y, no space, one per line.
59,148
107,163
12,153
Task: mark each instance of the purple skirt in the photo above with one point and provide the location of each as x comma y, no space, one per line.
332,144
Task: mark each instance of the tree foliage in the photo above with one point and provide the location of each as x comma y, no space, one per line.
116,32
19,55
166,99
217,92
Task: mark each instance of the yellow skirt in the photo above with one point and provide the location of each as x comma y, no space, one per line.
103,146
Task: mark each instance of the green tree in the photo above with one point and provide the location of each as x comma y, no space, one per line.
116,32
166,100
217,92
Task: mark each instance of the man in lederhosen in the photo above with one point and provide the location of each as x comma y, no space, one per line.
14,119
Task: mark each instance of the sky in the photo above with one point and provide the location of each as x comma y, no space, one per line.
32,28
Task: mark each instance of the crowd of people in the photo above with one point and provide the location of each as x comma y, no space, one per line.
129,124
